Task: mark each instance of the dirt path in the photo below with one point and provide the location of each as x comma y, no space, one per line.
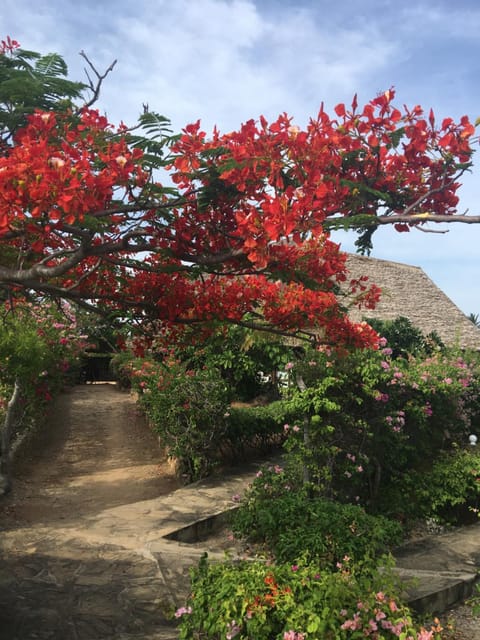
95,453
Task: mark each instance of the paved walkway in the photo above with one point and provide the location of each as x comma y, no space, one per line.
117,577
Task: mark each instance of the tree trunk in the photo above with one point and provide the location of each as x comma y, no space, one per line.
5,441
306,437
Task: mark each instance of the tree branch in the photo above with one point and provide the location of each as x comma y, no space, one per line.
95,88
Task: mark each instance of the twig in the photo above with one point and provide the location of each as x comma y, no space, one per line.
95,88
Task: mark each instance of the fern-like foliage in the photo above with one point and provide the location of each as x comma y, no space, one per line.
29,81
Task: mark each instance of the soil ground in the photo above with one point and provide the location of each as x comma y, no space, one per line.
95,452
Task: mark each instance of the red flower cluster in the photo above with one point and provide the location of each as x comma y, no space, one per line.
245,233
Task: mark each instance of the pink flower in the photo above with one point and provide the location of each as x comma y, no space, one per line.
183,611
423,634
353,624
393,606
289,366
232,630
293,635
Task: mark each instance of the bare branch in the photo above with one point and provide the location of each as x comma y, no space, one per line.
420,218
95,87
432,230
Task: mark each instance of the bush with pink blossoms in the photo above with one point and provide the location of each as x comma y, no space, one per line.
39,345
252,600
368,421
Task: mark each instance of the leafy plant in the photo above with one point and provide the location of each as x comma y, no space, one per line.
29,81
253,600
450,490
404,338
240,355
370,420
276,512
258,428
188,409
39,346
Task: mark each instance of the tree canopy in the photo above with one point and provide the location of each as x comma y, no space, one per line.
171,231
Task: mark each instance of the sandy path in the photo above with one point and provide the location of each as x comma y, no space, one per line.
56,582
95,453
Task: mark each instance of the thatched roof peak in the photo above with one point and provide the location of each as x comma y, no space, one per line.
407,291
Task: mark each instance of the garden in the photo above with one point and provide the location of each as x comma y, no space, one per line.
374,443
209,263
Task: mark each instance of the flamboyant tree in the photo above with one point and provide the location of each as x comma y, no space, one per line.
171,231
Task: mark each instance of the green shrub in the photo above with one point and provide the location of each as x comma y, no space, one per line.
404,338
371,421
188,409
259,428
292,524
254,601
240,430
450,490
239,354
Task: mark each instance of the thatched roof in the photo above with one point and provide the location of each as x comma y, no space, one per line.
407,291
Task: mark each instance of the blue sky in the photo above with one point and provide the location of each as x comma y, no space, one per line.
226,61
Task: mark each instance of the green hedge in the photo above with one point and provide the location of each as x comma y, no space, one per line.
255,429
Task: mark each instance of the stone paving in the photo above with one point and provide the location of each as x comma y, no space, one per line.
116,576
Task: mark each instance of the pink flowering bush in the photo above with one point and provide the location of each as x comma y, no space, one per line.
369,421
39,345
291,524
190,410
187,408
252,600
